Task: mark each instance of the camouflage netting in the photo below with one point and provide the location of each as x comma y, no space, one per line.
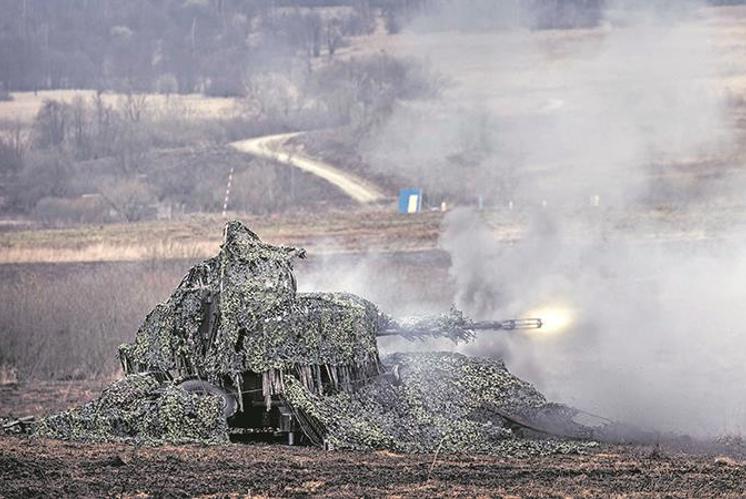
236,321
446,401
239,312
139,408
452,325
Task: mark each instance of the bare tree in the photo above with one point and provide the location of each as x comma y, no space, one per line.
133,106
131,198
13,146
50,125
80,124
333,36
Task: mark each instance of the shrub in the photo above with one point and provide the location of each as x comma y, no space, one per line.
44,174
12,150
131,198
364,91
58,211
167,84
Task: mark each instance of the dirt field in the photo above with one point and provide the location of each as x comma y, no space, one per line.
45,467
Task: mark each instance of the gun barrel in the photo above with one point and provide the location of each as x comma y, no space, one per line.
508,325
464,330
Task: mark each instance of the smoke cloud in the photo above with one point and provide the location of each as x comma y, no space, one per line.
624,116
645,332
552,116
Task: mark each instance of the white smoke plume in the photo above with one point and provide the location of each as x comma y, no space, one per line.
646,333
627,112
551,116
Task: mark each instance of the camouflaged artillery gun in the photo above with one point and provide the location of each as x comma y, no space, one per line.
237,328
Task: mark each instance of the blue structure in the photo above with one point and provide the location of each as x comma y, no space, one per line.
410,200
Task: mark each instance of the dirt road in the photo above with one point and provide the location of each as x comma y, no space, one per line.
270,147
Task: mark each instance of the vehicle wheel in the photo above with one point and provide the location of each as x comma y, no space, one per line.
199,387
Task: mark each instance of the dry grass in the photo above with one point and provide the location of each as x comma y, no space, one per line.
67,323
25,105
66,320
363,230
505,85
152,240
8,375
104,252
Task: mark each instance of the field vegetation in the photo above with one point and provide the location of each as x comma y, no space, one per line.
64,320
222,71
96,159
67,324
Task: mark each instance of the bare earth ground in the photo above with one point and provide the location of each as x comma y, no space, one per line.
43,467
30,467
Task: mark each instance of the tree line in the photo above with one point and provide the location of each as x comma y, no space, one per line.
162,45
207,46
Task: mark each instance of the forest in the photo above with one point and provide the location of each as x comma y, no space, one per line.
206,46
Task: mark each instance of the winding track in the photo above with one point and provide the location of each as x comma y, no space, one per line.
270,147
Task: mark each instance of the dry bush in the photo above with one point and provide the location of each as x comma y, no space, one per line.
262,187
44,174
62,211
131,198
271,94
66,321
362,92
124,126
13,146
8,375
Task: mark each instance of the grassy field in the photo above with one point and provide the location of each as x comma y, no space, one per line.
65,320
359,230
24,105
482,60
376,229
